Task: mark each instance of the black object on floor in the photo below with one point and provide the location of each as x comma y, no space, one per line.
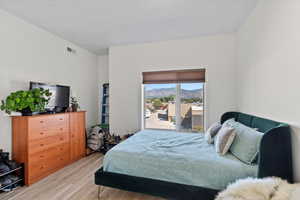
4,155
11,173
12,164
4,168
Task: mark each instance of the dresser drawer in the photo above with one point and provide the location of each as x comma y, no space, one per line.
39,122
59,120
49,153
63,149
63,160
64,154
49,160
57,160
41,134
52,122
38,158
44,144
41,168
37,169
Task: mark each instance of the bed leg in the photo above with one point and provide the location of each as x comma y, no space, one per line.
100,190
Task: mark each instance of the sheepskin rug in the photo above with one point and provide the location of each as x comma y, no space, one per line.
259,189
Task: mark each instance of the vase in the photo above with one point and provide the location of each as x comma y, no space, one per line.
69,109
28,112
74,108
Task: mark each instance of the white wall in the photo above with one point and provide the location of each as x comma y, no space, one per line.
29,53
269,66
102,77
126,64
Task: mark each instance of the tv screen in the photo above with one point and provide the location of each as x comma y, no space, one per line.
60,97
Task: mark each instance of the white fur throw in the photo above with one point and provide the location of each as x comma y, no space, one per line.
258,189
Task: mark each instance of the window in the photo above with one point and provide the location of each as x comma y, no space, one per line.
191,107
174,106
160,106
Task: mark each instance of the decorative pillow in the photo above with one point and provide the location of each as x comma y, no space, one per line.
246,144
224,139
212,132
228,122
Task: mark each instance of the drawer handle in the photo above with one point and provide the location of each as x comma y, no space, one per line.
60,119
41,122
41,145
61,159
42,167
41,156
61,129
61,139
61,149
42,133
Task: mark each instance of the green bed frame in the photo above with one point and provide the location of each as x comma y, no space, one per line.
275,159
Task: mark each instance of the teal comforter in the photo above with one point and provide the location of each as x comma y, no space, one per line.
184,158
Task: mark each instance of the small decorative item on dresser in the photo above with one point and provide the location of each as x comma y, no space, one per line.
69,109
74,104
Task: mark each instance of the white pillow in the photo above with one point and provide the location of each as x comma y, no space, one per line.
212,132
224,139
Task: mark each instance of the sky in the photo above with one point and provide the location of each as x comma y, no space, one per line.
185,86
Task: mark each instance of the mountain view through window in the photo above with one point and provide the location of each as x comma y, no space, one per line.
174,106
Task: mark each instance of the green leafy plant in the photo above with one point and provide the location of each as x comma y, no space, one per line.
34,100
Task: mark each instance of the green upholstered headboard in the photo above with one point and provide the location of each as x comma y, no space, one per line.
263,125
275,152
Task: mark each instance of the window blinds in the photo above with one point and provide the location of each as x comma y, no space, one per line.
175,76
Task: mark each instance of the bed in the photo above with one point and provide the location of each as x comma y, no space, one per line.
183,166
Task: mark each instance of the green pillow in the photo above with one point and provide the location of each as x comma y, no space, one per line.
246,143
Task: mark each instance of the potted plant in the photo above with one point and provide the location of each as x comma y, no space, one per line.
74,104
26,102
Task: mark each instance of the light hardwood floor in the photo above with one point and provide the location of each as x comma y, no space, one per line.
74,182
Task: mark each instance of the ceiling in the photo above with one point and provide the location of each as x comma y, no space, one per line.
98,24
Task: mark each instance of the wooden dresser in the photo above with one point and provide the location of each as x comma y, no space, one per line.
46,143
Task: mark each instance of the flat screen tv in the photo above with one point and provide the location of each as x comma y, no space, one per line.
59,100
